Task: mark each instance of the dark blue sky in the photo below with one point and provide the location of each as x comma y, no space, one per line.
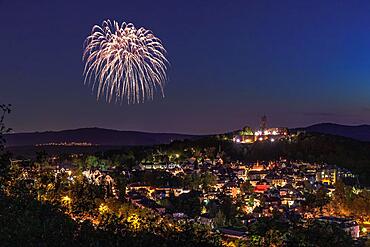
298,62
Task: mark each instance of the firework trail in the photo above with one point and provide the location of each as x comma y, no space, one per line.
124,63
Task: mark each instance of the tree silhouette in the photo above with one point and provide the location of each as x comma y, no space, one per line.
4,156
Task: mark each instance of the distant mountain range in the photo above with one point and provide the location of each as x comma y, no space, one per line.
95,136
109,137
358,132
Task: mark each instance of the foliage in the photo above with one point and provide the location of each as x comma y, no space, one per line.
278,231
31,223
228,209
4,156
157,178
316,200
39,210
4,109
351,202
188,203
197,181
246,187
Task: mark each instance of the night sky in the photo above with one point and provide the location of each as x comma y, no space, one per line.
298,62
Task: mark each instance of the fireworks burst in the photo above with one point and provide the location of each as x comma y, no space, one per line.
124,63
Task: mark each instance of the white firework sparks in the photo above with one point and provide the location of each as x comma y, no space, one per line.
124,63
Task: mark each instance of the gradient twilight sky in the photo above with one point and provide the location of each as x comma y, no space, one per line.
298,62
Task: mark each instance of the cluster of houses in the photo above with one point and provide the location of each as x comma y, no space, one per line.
264,187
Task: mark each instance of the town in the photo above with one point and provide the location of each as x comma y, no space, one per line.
202,184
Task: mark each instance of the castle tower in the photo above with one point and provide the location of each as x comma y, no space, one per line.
263,123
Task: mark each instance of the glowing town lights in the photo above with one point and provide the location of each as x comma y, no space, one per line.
50,186
66,201
103,209
246,135
258,133
134,221
204,210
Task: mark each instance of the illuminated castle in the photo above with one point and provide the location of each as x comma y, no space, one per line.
246,135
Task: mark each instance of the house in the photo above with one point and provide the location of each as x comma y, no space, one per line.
327,176
159,165
262,186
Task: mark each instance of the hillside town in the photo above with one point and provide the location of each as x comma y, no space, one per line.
205,187
266,187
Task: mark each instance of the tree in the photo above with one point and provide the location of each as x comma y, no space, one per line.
274,238
220,219
316,200
92,162
41,156
322,198
189,203
28,223
4,109
246,187
208,180
121,183
4,156
322,234
228,208
350,201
